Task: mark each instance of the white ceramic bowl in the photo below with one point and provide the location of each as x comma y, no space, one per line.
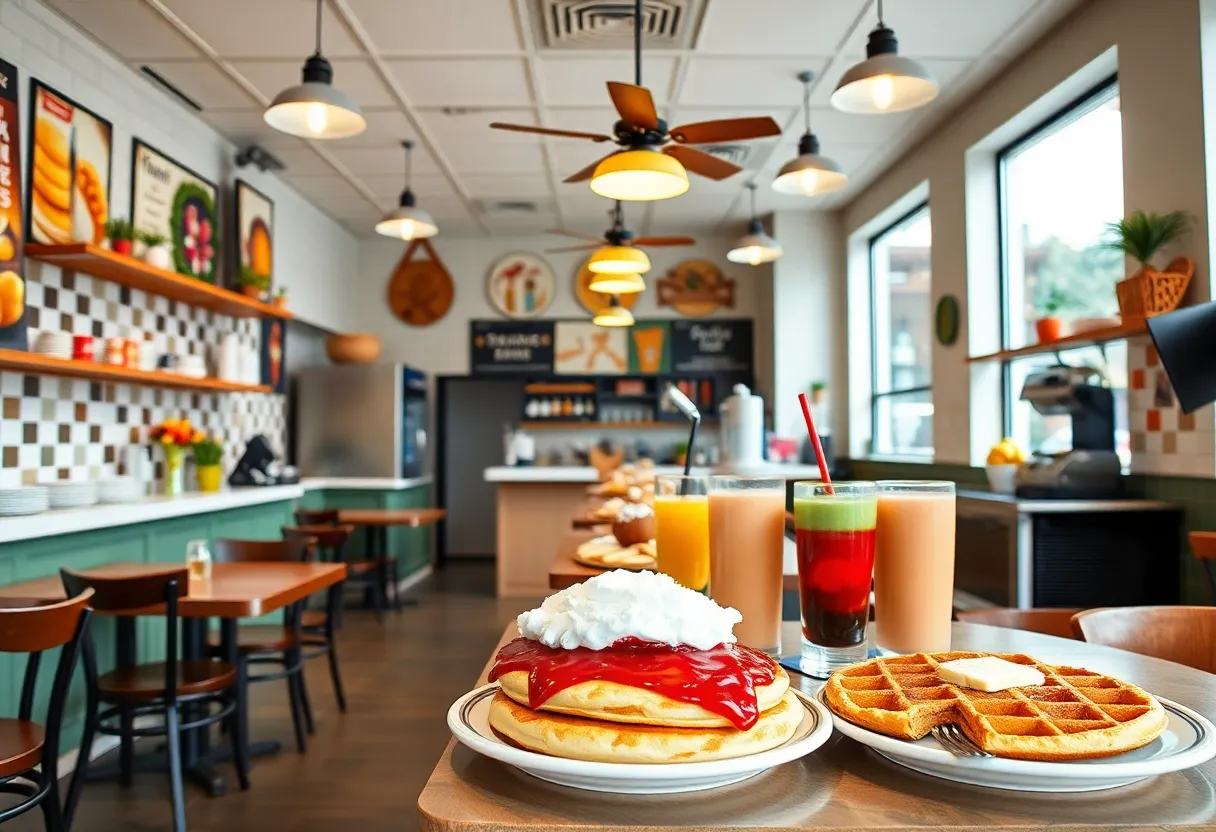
1002,478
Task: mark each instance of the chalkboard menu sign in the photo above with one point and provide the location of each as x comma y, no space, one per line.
511,347
711,346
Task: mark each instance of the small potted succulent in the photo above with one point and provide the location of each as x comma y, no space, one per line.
156,250
252,284
819,389
121,235
280,298
1049,327
208,454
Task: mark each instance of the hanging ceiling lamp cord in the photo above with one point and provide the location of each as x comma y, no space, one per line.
880,23
637,42
806,105
318,50
751,186
409,162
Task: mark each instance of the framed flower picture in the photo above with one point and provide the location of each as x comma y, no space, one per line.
255,234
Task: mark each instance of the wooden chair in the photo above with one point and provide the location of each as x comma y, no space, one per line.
29,751
372,573
1049,622
318,626
1186,635
262,644
157,689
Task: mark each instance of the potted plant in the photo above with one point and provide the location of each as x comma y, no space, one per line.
819,389
1050,328
1142,235
175,436
121,235
208,452
680,453
280,298
156,250
252,284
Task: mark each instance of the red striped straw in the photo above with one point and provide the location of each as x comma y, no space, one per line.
814,434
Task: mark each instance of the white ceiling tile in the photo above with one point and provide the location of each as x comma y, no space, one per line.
264,28
426,188
747,81
580,205
586,119
353,76
944,28
579,81
573,155
246,125
446,209
323,187
384,125
386,159
204,82
129,27
835,128
450,126
450,25
505,157
690,115
778,27
506,185
511,225
448,82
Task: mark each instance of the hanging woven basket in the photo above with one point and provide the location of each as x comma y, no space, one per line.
1150,292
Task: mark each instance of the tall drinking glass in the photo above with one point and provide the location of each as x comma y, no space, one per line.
681,529
914,566
746,542
834,526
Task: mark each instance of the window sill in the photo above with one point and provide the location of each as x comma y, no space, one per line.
923,460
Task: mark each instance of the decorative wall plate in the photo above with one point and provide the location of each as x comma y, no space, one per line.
521,285
596,302
420,292
945,320
695,288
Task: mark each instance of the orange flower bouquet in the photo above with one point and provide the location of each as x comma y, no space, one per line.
175,436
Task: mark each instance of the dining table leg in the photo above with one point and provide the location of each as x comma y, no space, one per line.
196,742
262,748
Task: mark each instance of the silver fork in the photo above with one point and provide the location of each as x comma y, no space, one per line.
952,738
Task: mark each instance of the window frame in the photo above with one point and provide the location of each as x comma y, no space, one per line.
1078,107
875,395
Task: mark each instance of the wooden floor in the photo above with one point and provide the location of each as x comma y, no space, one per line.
363,770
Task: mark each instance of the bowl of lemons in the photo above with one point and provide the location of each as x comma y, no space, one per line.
1002,466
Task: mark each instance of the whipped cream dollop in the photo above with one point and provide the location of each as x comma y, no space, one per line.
633,511
619,604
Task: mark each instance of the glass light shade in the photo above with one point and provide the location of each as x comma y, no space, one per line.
617,284
619,260
407,223
614,315
884,82
315,109
755,247
639,176
809,174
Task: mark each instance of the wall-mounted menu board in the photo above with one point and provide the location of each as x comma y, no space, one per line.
711,346
510,347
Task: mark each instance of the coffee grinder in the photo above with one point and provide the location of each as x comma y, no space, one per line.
1091,469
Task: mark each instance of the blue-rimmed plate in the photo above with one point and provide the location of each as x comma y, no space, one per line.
469,720
1188,740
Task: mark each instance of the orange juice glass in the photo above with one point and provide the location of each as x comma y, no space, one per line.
681,529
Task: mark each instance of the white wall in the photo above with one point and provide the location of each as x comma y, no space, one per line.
314,256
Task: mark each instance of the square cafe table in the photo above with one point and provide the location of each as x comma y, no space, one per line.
842,785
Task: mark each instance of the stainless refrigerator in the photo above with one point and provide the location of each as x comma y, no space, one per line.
361,421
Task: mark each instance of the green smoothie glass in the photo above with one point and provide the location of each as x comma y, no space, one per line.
834,526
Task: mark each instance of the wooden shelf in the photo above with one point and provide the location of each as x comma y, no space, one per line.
1072,342
29,362
574,425
135,274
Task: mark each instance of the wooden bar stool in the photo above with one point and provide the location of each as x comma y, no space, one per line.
371,572
29,751
204,691
261,644
318,626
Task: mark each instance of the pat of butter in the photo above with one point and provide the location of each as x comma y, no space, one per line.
988,673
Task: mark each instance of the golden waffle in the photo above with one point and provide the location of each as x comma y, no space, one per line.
1076,714
607,553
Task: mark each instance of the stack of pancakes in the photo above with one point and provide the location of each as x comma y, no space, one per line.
604,721
54,206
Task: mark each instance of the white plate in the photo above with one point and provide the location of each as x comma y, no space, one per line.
1188,740
469,720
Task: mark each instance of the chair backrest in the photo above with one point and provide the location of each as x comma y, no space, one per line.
227,550
1050,622
1186,635
317,517
329,541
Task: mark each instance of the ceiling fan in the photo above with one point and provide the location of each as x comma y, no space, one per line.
618,235
654,158
617,259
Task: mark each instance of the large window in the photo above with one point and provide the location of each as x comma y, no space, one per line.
902,335
1060,185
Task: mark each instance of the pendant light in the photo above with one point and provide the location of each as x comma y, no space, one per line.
640,175
884,82
809,174
614,315
407,222
618,260
617,284
315,108
756,246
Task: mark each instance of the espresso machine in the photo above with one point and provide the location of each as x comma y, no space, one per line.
1091,469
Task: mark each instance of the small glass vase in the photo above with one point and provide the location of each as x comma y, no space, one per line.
174,457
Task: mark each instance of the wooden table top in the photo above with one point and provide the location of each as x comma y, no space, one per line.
843,786
390,516
235,590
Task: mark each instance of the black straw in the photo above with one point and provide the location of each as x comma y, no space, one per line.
692,438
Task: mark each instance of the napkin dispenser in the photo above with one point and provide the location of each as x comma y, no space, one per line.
259,466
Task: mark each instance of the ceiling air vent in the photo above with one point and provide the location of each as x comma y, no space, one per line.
508,207
604,24
743,155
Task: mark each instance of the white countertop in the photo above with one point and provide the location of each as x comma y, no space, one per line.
103,516
363,483
587,474
1064,506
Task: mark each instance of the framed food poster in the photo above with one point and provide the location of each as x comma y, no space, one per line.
170,199
12,264
274,353
70,152
584,349
521,285
255,233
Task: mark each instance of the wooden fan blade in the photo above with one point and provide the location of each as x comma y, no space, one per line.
548,131
634,104
698,161
587,172
563,249
664,241
725,130
578,235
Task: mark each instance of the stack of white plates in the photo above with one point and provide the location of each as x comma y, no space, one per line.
72,494
54,343
120,490
31,499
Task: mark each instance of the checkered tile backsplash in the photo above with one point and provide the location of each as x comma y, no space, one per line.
1164,440
57,428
